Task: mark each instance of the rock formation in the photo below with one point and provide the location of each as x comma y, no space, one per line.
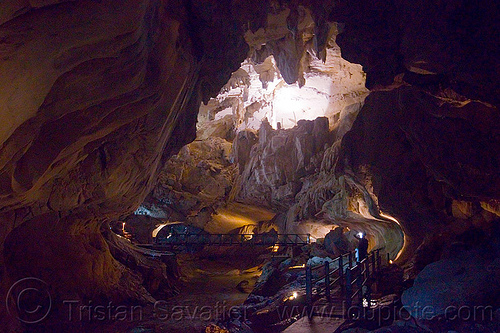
193,183
272,171
261,88
430,122
293,172
94,96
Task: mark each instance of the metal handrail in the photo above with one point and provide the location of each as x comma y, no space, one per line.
233,239
358,274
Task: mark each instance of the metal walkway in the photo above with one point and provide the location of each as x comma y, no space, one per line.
342,285
202,239
335,291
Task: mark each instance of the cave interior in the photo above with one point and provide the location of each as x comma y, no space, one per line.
129,126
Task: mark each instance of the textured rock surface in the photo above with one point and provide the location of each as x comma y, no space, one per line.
265,87
458,41
280,159
90,101
293,172
427,164
199,178
336,242
93,95
444,286
272,171
431,137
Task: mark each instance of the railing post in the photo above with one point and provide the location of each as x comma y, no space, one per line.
367,287
350,259
348,290
327,280
360,281
308,289
341,274
368,297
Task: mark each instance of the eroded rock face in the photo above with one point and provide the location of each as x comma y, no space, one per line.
290,170
280,159
274,170
90,103
293,172
94,96
428,165
455,41
424,143
421,144
198,179
267,86
469,279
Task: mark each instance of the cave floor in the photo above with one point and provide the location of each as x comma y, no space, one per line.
207,291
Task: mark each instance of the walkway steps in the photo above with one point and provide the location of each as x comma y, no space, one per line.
315,325
333,309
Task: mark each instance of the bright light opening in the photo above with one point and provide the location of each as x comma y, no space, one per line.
258,91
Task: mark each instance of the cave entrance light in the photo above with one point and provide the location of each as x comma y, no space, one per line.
258,91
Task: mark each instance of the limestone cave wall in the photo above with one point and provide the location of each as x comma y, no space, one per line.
94,97
426,142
